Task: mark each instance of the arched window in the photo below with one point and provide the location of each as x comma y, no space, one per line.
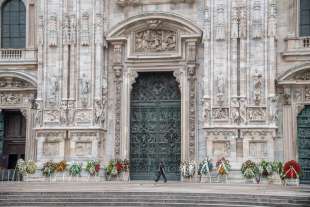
13,24
304,18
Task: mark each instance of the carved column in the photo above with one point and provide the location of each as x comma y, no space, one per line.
118,79
191,75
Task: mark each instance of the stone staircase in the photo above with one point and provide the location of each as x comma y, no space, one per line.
146,199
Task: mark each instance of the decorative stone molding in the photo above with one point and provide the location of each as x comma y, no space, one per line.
133,75
272,17
222,133
207,21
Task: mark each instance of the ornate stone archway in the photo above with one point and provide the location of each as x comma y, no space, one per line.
154,42
294,86
17,91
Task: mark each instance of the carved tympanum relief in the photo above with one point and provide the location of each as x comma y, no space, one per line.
155,40
13,83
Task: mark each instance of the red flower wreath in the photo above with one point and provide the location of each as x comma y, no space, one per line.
119,166
292,169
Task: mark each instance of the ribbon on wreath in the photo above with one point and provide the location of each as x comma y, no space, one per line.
292,171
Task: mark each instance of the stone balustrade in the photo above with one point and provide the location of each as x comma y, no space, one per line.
297,48
18,56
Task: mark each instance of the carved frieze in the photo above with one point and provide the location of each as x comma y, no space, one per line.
155,40
220,114
257,134
221,133
16,98
256,113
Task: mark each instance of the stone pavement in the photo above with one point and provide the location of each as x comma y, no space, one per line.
149,186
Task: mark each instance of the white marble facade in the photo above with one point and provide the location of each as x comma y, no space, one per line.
89,53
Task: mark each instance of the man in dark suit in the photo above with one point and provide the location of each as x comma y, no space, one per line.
161,172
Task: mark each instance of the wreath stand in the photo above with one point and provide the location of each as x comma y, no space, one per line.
222,165
208,174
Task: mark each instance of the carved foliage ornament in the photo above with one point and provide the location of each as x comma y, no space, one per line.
155,40
220,22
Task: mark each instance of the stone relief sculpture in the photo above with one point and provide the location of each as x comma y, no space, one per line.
258,87
257,20
52,30
220,113
220,88
85,89
307,93
220,23
155,41
85,29
100,108
38,114
53,88
256,114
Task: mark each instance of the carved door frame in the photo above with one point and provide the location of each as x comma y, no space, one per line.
294,87
20,97
126,64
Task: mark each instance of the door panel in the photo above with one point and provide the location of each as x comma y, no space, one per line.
155,126
303,133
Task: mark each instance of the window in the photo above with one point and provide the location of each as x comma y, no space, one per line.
304,18
13,24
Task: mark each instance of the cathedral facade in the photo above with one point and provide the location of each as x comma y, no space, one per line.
151,80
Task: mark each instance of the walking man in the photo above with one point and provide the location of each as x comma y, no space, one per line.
161,172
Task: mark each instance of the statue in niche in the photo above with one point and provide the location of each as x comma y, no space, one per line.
54,88
258,87
220,88
84,84
38,114
100,107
